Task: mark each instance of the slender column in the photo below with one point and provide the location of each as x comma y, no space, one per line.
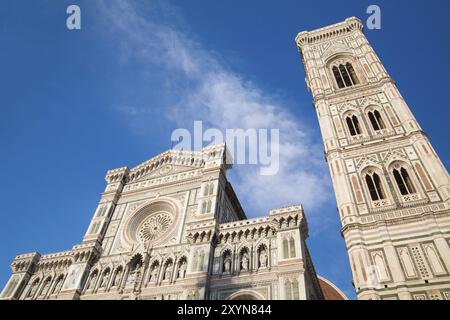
53,286
97,281
110,279
174,270
41,289
252,258
269,255
146,269
52,283
162,269
126,273
234,265
63,281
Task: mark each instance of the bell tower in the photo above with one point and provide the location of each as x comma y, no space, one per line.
392,190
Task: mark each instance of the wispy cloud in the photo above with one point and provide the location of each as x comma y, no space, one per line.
199,86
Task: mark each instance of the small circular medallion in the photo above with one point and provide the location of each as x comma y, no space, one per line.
165,170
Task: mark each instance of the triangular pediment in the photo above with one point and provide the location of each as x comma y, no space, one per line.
166,164
166,170
173,162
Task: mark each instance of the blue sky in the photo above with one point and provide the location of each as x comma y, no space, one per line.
77,103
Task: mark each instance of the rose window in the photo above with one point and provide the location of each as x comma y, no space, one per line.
154,226
152,223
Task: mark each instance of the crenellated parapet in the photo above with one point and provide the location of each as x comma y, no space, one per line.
23,267
329,32
117,175
86,252
235,231
116,179
39,276
201,233
54,262
26,262
290,216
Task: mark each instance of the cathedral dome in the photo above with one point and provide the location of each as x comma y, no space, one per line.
330,291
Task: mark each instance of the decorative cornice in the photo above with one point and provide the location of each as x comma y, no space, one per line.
387,143
329,32
399,217
215,155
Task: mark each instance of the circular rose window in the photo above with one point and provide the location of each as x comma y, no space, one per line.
151,223
155,226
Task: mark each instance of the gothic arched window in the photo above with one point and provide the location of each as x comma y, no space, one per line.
338,77
46,286
105,278
375,187
289,248
403,181
291,289
353,125
209,189
33,288
92,280
57,285
345,75
204,207
352,73
285,248
117,276
288,290
376,120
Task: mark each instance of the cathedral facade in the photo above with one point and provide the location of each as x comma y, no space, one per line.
173,228
392,190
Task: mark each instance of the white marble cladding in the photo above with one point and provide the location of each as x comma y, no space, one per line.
286,209
391,187
179,177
